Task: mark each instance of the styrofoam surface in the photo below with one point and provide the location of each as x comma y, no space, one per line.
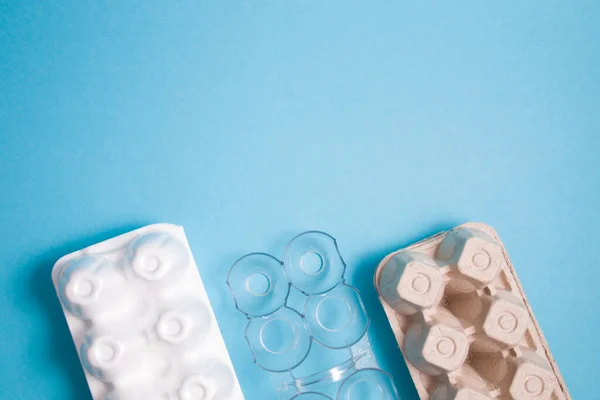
141,319
463,322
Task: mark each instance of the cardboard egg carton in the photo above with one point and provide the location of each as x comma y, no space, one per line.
141,320
462,320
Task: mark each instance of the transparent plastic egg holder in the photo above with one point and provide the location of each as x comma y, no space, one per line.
141,320
306,325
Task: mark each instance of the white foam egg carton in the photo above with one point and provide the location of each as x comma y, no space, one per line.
141,319
462,320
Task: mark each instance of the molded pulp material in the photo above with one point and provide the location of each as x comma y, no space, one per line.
141,320
306,325
462,320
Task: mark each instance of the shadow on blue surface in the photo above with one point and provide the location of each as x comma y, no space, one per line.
57,344
381,336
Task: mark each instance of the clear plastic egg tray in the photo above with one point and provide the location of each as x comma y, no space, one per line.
141,320
306,325
462,321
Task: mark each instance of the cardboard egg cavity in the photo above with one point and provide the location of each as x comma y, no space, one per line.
462,321
141,320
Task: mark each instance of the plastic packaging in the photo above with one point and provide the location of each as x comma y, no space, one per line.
462,320
141,320
306,325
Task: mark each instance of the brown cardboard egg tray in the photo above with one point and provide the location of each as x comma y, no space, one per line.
462,321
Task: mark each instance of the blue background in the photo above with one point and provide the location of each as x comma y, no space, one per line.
250,121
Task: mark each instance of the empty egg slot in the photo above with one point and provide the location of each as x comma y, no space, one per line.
313,262
336,319
366,384
280,341
258,284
